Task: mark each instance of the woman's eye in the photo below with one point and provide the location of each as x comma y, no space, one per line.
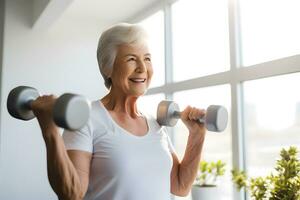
148,59
131,59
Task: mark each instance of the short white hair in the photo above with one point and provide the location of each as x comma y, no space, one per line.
109,41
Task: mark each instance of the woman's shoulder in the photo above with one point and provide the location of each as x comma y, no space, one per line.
96,109
98,117
152,123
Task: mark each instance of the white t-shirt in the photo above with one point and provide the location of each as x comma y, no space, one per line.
123,166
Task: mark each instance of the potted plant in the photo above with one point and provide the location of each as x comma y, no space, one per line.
283,184
205,186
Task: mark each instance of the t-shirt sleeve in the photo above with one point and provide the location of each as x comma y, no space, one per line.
79,140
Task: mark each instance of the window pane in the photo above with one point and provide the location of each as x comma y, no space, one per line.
200,38
154,25
148,104
270,29
272,116
217,146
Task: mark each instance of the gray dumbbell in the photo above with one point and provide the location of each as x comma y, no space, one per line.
70,111
215,119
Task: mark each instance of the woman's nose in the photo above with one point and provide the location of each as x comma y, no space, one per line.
141,67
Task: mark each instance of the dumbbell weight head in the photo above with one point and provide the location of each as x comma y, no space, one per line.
165,113
71,111
18,102
216,118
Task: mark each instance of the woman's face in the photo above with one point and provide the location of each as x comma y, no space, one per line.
132,70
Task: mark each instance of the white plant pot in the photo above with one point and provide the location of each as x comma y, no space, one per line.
205,193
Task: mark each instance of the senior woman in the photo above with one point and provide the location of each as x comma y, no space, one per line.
121,153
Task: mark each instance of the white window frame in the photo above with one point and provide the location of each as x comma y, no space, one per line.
235,76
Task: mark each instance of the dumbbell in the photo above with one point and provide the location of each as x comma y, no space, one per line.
215,119
70,111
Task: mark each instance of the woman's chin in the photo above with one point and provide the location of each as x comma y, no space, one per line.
138,93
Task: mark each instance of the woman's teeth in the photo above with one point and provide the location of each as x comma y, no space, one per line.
138,80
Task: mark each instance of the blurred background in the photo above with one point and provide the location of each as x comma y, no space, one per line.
238,53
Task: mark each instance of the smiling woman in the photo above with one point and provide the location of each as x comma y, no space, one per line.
106,159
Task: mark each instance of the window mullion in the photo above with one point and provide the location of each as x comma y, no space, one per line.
238,134
168,45
169,61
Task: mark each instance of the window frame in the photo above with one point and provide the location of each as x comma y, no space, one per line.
234,77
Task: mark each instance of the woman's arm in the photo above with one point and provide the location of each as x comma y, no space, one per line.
184,173
68,174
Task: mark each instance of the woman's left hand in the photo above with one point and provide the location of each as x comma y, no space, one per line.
190,116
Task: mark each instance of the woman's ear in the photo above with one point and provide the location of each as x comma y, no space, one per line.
108,83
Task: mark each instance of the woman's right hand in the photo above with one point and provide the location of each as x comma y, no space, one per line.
42,108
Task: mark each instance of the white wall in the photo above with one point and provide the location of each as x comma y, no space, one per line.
60,59
1,52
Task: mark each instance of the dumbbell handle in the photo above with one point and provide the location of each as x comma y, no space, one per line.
28,103
177,115
215,119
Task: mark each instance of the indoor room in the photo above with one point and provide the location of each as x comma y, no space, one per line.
149,100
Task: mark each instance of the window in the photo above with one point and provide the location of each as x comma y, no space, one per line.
154,26
265,112
149,103
200,38
272,32
272,120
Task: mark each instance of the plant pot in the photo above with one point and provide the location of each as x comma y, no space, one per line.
205,193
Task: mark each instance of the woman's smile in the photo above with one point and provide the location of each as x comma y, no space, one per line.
137,80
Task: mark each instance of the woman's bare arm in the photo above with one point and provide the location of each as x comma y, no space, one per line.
184,173
68,174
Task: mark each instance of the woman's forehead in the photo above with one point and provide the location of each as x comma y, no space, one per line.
133,49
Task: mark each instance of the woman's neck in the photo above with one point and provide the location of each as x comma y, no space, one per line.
120,103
